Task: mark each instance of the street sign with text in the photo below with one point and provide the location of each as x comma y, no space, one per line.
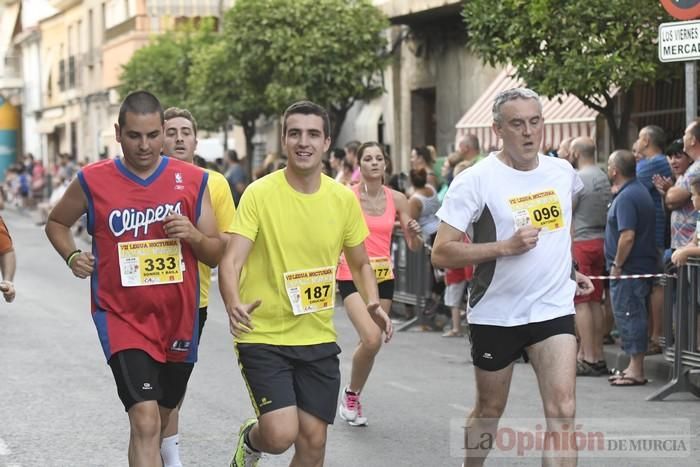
679,41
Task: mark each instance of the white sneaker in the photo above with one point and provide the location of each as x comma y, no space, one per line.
350,409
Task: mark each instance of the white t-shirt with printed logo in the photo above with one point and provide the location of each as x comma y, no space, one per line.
496,199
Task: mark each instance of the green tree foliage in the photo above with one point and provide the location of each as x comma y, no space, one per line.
279,51
582,47
162,67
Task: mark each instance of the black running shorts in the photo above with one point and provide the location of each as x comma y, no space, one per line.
202,320
305,376
140,378
496,347
386,289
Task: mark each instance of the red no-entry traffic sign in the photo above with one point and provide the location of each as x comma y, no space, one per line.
682,9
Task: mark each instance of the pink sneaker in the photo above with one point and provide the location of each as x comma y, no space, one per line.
350,409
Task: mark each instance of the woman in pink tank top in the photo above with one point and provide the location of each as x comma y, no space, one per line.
381,207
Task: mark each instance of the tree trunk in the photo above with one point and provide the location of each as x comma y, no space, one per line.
618,129
249,132
337,116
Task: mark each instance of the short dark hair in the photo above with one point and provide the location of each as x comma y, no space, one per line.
307,108
175,112
419,178
352,146
338,153
623,160
656,135
232,155
424,153
140,102
676,147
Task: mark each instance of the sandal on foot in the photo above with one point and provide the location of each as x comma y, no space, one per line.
453,333
616,374
654,348
628,381
584,368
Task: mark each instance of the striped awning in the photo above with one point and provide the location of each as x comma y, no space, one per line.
564,116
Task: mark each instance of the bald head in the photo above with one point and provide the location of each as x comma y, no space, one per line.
469,147
691,139
564,150
623,163
583,149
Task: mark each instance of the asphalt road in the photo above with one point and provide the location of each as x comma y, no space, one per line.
59,407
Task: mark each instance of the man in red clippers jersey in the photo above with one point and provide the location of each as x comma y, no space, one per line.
151,220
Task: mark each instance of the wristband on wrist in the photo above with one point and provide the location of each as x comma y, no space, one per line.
72,256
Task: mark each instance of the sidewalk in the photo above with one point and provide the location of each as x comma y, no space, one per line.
656,367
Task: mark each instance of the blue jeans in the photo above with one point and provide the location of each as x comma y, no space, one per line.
629,303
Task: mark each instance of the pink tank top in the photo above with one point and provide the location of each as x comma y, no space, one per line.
378,244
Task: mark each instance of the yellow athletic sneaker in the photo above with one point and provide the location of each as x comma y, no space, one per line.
244,455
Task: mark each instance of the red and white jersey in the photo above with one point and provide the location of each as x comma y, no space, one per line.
145,287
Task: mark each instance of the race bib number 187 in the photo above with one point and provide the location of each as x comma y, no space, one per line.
311,290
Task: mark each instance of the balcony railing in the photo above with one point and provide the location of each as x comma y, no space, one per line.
120,29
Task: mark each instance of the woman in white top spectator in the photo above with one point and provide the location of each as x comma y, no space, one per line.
422,205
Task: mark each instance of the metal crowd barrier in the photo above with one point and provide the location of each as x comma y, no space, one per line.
680,340
412,277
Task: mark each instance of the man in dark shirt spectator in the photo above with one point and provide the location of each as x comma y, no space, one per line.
236,176
630,249
650,145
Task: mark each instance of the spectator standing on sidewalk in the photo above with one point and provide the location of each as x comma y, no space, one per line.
422,159
650,144
236,176
677,196
590,212
564,150
630,249
469,149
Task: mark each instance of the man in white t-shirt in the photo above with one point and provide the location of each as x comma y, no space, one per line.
519,204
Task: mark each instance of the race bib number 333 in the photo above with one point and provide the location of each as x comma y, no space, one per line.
311,290
150,262
541,209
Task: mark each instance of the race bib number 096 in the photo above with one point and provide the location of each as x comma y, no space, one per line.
150,262
310,290
541,210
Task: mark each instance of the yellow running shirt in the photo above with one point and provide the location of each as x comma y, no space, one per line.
295,236
224,211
